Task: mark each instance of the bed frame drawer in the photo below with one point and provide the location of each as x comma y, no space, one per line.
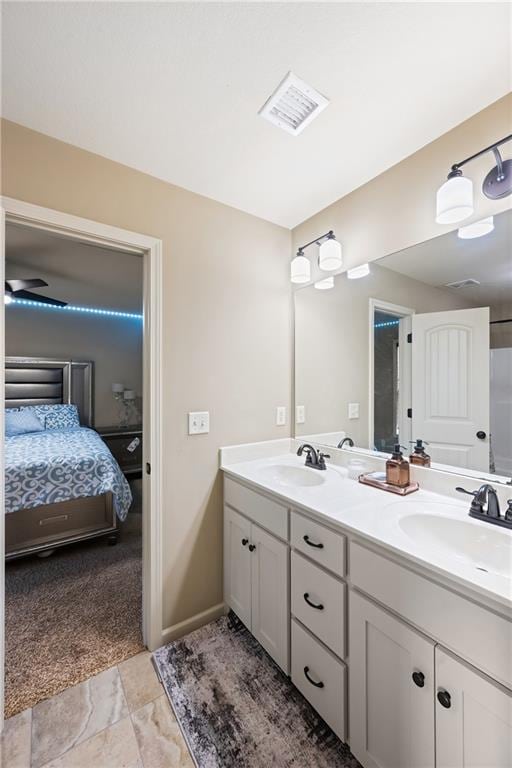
59,523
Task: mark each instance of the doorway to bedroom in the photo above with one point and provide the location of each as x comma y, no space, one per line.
76,496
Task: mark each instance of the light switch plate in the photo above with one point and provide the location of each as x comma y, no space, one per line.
301,414
353,410
281,416
198,422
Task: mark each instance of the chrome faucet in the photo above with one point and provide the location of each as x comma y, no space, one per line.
313,459
486,496
345,440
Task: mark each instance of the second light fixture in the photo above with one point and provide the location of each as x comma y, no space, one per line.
330,258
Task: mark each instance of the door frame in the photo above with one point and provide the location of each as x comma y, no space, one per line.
150,249
400,312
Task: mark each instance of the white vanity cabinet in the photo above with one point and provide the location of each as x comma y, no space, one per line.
409,670
256,582
473,717
391,690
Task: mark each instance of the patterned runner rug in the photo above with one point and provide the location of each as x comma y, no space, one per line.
237,708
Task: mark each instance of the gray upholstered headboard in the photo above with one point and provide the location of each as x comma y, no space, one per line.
40,381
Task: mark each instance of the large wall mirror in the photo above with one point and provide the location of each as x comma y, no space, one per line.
421,347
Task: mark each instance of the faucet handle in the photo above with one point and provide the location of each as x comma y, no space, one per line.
321,459
477,504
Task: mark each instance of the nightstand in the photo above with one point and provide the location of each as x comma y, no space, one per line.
125,444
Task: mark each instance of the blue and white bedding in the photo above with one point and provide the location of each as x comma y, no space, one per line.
60,465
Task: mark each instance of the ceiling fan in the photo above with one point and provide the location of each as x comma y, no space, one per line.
19,289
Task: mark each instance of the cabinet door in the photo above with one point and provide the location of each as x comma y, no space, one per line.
270,614
391,683
473,717
237,565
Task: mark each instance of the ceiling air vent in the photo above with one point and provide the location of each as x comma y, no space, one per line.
463,283
293,105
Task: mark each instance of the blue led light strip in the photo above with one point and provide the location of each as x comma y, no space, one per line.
72,308
385,325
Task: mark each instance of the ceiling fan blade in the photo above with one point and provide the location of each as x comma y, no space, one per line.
37,297
22,285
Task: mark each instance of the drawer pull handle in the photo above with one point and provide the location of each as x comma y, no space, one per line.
419,679
444,699
245,542
318,606
312,543
48,520
310,680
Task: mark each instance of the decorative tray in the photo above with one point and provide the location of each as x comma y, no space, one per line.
370,479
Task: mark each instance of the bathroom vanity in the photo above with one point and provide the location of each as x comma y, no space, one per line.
392,616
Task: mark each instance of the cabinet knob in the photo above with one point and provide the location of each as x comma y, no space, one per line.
252,547
310,680
245,542
419,679
444,699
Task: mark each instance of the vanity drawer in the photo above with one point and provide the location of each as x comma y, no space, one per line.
312,663
262,510
318,542
479,635
313,587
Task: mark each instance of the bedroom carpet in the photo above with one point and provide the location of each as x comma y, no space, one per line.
237,709
71,615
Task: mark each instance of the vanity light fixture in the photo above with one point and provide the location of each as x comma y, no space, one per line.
325,284
329,258
455,197
477,229
300,268
7,298
356,272
329,253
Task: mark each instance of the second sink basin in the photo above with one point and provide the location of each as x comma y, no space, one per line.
285,475
486,548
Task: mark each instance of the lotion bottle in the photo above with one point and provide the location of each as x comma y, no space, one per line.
397,469
419,456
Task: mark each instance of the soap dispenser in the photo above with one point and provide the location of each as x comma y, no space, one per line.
397,469
419,456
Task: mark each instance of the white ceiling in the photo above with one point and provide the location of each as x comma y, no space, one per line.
76,272
173,89
447,259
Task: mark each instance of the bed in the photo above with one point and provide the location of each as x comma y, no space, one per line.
62,484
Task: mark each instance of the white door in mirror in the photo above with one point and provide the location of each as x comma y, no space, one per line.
198,422
450,385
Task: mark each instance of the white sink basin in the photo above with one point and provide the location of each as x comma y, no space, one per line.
287,476
485,547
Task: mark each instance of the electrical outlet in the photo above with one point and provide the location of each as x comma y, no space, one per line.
198,422
281,416
353,410
301,414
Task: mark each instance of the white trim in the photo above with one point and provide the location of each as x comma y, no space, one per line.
151,248
199,620
393,309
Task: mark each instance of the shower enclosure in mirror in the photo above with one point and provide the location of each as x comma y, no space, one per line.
421,347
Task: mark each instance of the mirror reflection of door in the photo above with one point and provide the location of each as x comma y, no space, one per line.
450,385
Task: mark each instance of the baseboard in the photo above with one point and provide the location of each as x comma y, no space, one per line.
184,627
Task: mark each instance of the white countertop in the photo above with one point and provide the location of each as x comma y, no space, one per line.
429,529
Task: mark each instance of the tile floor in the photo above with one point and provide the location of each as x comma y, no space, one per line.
119,719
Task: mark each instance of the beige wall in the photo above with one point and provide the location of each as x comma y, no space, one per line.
227,335
397,209
332,345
